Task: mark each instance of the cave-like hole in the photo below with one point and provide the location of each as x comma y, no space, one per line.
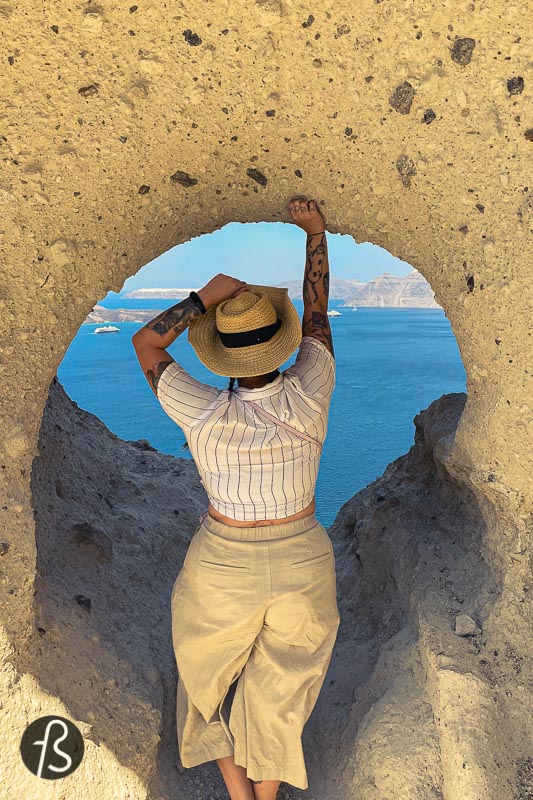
394,356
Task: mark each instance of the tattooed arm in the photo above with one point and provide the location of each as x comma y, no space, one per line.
315,320
151,340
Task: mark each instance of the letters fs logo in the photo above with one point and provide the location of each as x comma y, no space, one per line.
52,747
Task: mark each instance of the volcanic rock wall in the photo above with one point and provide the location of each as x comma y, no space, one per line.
126,130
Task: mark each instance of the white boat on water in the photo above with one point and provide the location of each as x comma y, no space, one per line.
334,313
106,329
354,308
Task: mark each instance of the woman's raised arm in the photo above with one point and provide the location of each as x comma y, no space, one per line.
315,320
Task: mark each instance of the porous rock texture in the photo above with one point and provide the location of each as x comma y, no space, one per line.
129,129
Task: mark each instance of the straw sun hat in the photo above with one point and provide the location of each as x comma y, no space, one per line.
250,334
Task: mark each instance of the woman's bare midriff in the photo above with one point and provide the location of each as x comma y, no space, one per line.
305,512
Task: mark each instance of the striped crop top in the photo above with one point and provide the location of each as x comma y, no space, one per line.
250,467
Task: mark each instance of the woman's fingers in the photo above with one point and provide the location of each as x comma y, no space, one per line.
305,214
222,287
302,208
242,287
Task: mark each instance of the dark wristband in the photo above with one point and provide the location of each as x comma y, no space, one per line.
316,234
198,300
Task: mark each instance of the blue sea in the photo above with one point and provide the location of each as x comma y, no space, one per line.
391,363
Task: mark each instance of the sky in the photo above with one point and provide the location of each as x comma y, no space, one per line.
265,253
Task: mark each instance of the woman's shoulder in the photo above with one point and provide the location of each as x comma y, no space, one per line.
313,343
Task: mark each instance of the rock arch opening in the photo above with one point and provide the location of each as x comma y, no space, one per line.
393,358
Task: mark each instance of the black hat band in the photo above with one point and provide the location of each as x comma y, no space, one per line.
246,338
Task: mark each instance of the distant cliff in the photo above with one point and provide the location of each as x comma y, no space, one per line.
102,314
157,294
385,290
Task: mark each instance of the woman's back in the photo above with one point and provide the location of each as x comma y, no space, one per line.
250,467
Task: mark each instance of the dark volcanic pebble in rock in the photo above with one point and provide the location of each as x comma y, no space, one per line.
406,167
88,91
515,85
256,176
461,51
183,178
402,97
192,38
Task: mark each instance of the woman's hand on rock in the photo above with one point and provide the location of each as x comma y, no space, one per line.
220,288
306,215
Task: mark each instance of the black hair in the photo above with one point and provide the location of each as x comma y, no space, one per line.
269,375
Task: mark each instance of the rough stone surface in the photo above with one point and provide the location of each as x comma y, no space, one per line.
129,129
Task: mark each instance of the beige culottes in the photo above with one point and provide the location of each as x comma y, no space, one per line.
254,622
